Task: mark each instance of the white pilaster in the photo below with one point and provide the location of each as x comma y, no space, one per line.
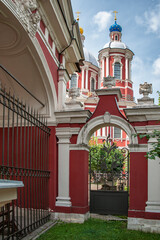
103,59
126,68
63,79
153,203
82,78
63,198
86,78
129,71
107,66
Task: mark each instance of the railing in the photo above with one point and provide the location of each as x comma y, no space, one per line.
20,84
24,149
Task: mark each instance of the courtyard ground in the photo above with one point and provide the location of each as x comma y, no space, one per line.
96,229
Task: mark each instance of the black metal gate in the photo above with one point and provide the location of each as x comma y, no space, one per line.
24,153
109,169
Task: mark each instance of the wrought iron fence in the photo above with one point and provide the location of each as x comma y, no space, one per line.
24,149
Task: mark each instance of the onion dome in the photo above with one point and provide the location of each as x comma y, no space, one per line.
115,27
89,57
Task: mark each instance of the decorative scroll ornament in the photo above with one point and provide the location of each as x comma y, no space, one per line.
74,93
109,82
29,15
145,89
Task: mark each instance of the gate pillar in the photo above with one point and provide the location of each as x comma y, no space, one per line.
63,199
144,210
153,203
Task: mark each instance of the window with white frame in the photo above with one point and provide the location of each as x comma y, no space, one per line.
73,81
117,132
117,70
92,85
116,37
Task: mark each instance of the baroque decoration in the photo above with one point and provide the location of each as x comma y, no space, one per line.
29,15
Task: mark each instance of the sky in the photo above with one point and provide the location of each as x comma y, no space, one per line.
140,22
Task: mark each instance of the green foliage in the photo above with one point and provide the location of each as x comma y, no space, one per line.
155,151
96,229
105,157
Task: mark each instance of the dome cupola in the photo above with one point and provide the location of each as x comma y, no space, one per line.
115,27
115,30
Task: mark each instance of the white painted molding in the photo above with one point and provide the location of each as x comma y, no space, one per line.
103,121
138,147
146,129
79,147
109,91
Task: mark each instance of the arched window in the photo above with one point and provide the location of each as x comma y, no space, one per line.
117,70
74,80
116,37
92,84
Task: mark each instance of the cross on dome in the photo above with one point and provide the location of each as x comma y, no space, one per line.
78,15
115,15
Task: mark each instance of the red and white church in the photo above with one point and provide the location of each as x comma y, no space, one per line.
42,47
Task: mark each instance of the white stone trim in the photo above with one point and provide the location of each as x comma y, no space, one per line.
146,129
86,83
70,217
107,65
82,87
138,147
64,135
82,147
145,225
102,121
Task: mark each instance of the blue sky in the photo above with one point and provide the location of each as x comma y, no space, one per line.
140,21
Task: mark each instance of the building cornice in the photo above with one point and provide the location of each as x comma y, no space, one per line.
142,114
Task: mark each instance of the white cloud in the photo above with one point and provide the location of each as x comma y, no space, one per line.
156,67
150,20
102,20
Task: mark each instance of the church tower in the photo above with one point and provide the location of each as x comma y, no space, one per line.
115,60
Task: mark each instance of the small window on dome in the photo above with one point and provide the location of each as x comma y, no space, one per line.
73,81
92,84
117,70
116,37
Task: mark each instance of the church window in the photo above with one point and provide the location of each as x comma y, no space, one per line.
116,37
117,132
117,70
74,80
92,84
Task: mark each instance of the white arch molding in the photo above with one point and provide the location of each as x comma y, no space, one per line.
102,121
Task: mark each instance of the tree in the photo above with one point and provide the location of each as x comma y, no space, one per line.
105,157
155,151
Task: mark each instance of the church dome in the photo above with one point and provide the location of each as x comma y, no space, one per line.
115,27
89,57
116,44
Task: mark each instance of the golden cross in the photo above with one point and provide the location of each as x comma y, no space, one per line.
115,15
77,15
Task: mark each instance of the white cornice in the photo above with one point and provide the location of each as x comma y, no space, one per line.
138,148
146,129
73,116
109,91
140,114
82,147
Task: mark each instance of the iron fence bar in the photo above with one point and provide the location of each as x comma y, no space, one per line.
19,83
8,132
20,110
24,158
3,102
